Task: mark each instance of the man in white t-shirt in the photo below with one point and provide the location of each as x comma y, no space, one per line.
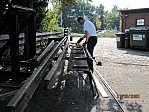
91,37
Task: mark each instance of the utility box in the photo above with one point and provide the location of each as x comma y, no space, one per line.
120,39
139,37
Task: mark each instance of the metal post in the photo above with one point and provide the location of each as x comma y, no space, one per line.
32,37
14,45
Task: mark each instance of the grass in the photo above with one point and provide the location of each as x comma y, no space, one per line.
108,33
77,35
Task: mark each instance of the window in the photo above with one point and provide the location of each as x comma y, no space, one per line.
140,22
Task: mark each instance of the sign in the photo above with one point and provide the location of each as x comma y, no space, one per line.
118,39
137,37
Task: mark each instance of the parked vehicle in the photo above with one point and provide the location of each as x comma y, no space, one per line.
101,31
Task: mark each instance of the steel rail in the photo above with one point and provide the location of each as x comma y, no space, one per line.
110,90
7,94
44,53
56,69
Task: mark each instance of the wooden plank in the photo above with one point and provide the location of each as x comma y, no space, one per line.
99,87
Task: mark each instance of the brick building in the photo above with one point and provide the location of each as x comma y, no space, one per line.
134,18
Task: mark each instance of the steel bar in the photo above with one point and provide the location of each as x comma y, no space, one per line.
109,89
56,70
96,82
80,66
82,77
99,87
4,95
40,58
80,58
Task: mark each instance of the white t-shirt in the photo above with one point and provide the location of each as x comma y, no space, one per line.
90,27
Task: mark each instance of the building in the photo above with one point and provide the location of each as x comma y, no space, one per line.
134,18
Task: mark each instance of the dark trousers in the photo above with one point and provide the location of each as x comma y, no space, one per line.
90,46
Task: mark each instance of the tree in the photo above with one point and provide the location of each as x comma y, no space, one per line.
101,13
98,23
51,20
85,9
113,19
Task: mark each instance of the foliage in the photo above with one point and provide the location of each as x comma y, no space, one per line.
113,19
85,9
51,21
65,3
98,23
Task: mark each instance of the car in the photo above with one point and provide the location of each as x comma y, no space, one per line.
98,31
101,31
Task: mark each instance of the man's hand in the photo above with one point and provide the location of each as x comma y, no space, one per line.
80,39
84,43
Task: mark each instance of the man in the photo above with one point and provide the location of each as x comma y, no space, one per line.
91,37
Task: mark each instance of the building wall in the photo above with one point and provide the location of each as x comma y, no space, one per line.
129,19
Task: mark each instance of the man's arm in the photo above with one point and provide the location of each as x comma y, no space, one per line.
87,35
86,30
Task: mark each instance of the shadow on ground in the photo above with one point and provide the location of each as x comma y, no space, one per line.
72,94
138,52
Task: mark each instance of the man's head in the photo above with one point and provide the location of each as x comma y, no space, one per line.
80,20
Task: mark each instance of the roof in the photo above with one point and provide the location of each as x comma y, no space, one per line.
135,9
141,10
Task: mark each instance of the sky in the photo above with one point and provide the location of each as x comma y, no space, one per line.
131,4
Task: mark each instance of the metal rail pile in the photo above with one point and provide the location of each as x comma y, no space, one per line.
47,73
19,102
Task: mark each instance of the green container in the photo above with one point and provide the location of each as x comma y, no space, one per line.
139,37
